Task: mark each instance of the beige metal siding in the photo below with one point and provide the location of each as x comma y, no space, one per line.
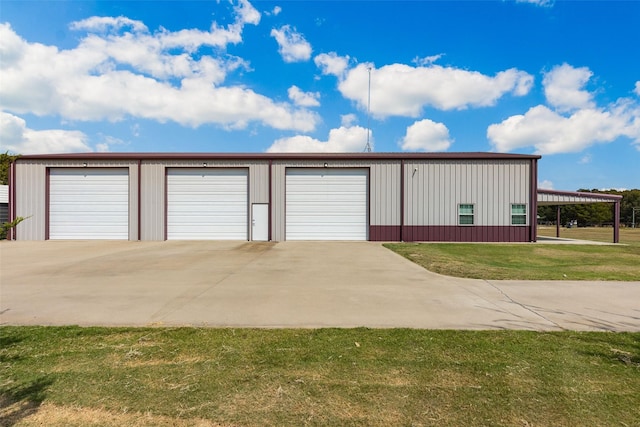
31,193
152,213
259,182
435,188
385,193
30,199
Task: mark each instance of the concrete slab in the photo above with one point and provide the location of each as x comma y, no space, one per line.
287,284
546,240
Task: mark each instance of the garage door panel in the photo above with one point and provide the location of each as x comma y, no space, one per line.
326,204
207,204
89,203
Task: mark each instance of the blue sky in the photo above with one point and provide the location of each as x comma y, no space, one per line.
556,78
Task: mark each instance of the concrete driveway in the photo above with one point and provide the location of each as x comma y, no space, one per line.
287,284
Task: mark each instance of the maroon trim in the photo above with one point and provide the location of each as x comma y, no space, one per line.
385,233
612,197
284,201
533,215
12,235
277,156
270,199
456,233
402,167
249,204
166,203
368,202
139,198
47,202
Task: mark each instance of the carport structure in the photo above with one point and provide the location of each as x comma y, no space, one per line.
560,198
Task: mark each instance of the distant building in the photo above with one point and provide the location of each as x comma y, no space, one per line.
4,204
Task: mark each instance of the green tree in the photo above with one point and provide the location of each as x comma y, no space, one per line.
5,161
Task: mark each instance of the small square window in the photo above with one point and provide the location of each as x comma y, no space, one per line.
518,214
465,214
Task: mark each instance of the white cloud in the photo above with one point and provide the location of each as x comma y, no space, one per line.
348,120
304,99
586,159
106,143
247,13
637,90
550,132
563,88
332,64
275,11
577,123
135,130
341,140
542,3
106,23
427,60
17,138
157,76
402,90
545,184
291,44
426,135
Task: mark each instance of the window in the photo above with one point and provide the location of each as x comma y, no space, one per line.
465,214
518,214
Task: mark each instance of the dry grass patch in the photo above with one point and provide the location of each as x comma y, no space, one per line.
326,377
68,416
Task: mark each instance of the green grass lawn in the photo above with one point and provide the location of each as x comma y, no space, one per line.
65,376
526,261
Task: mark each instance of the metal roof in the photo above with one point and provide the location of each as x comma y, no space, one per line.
280,156
554,197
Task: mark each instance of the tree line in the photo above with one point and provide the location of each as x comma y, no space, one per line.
596,214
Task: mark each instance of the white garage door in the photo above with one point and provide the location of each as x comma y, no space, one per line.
326,204
207,204
89,203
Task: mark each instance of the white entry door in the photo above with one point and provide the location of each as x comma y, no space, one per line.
260,222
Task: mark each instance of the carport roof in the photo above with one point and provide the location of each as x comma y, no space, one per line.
281,156
554,197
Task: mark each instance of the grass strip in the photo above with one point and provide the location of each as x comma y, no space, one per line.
249,377
525,261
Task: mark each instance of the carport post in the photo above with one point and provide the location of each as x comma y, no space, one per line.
558,221
616,222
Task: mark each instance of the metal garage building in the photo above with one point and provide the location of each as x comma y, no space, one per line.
471,197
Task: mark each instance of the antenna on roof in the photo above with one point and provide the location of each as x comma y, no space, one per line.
367,147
